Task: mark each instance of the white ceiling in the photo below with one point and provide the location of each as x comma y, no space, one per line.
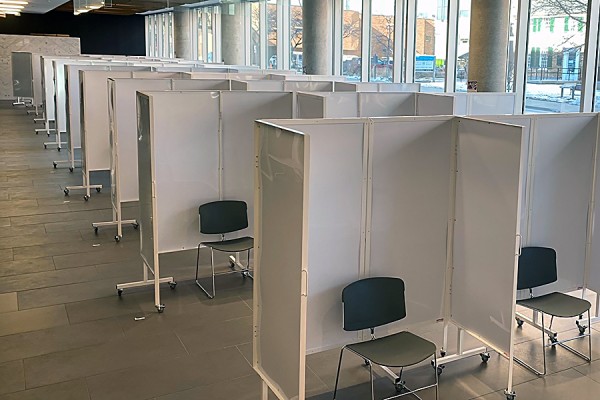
42,6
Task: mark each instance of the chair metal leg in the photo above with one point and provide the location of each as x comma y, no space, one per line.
587,358
437,379
212,267
337,376
372,386
529,367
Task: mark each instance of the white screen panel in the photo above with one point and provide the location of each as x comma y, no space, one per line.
487,222
265,86
310,106
399,87
411,162
22,74
200,84
124,132
239,110
36,69
341,105
48,84
308,86
145,179
95,124
593,278
491,103
561,191
386,104
280,308
346,87
335,221
185,137
433,104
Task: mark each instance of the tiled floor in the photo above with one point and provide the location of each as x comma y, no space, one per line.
64,334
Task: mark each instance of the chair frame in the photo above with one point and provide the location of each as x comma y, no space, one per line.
398,382
554,341
360,324
552,336
245,271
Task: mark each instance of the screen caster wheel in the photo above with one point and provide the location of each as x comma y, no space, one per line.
120,292
54,165
439,369
519,322
66,191
96,230
581,328
510,395
172,285
117,238
71,169
135,226
442,353
484,357
45,147
98,190
58,149
86,197
160,308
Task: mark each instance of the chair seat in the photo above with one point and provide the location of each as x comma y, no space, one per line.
232,245
557,304
398,350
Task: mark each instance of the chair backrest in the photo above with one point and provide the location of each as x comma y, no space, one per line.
372,302
537,267
223,216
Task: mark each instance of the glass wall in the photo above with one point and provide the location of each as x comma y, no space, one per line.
272,34
555,52
160,34
254,34
382,41
462,45
200,35
296,35
352,39
430,45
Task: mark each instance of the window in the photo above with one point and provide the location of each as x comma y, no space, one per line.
430,46
382,41
556,59
255,34
272,34
351,40
462,50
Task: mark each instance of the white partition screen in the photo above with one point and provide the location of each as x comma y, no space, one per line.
238,112
486,230
186,160
310,105
280,277
200,84
434,104
386,104
410,200
563,162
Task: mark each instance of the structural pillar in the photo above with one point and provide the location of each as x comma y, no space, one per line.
488,44
317,36
182,33
232,34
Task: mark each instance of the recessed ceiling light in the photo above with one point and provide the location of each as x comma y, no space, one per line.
13,2
11,7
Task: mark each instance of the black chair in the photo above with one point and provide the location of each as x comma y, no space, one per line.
222,217
537,267
373,302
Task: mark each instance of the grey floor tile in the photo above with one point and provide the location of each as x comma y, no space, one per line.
12,377
591,370
8,302
8,268
202,338
4,222
98,359
245,388
67,293
74,390
6,255
107,253
47,279
103,308
31,320
22,230
170,375
62,338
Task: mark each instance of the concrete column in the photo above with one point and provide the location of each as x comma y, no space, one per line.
232,34
182,33
488,44
317,36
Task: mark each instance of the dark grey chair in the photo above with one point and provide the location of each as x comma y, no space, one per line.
373,302
219,218
537,267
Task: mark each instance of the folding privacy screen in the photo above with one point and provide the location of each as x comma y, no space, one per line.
339,200
194,147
